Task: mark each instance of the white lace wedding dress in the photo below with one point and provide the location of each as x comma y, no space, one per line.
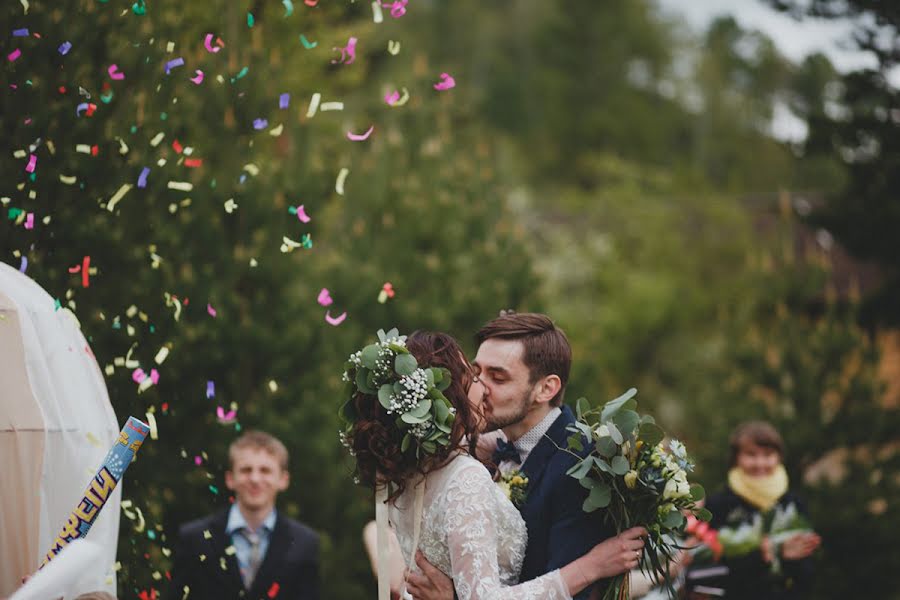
473,533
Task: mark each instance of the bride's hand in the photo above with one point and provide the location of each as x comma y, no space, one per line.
618,554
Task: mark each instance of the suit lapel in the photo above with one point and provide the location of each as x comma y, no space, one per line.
536,463
220,541
279,544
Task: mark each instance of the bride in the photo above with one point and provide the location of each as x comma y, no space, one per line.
412,414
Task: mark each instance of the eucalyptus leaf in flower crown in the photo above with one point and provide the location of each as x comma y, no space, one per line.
412,394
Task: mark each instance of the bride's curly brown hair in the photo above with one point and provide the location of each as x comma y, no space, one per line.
375,440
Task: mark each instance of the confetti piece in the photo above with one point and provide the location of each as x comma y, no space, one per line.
114,73
307,2
177,147
396,99
24,5
273,386
139,8
199,78
175,62
93,440
23,265
32,162
29,221
276,131
273,590
348,53
260,124
332,106
69,179
123,147
360,137
210,389
207,43
324,298
250,20
64,48
288,8
142,178
284,100
138,375
387,291
151,421
398,8
14,55
225,417
211,310
252,169
183,186
157,139
446,82
341,178
20,33
313,105
306,43
230,205
87,107
377,15
335,320
162,355
301,214
111,205
240,74
393,47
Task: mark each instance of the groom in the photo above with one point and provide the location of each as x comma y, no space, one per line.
523,360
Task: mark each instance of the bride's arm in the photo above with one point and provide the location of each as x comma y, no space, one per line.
472,540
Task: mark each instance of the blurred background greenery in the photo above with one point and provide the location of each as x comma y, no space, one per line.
600,161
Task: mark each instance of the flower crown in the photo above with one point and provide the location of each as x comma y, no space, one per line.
388,371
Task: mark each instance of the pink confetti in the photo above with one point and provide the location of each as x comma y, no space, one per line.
114,73
360,137
335,320
348,53
324,297
138,375
207,43
14,55
392,98
210,310
398,7
198,461
225,417
32,163
446,82
154,376
29,221
199,78
301,214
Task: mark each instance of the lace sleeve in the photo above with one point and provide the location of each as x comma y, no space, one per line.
472,540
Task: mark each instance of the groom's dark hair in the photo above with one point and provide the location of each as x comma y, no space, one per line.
545,348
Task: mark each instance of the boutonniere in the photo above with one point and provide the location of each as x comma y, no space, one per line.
515,485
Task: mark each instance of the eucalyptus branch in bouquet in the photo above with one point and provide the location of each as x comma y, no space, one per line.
636,478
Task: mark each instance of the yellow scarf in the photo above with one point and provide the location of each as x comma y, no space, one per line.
761,492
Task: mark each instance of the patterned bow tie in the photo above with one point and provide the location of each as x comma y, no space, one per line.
506,451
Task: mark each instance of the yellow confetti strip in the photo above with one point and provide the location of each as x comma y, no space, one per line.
123,147
187,588
313,105
288,245
83,148
157,139
332,106
207,535
170,300
393,47
230,550
117,566
20,154
156,575
230,205
161,356
276,131
118,196
252,169
183,186
273,385
341,178
222,563
151,421
68,179
377,15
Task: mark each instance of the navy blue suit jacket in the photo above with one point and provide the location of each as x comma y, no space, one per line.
291,561
559,531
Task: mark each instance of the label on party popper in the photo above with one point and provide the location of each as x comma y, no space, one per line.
101,486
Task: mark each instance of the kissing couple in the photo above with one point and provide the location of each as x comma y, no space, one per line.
414,411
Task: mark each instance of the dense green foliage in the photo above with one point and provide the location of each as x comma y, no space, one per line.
594,160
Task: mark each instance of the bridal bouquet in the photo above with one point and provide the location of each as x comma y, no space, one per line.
637,479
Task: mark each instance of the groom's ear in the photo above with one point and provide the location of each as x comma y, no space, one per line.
548,387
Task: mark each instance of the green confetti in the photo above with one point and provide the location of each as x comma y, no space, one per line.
214,489
139,8
288,7
240,74
306,43
250,20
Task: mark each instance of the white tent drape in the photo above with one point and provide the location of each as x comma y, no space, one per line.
56,426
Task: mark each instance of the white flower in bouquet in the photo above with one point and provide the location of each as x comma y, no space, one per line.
677,486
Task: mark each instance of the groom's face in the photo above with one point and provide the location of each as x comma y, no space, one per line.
509,391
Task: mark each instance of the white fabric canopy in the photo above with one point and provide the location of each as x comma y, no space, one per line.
56,426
